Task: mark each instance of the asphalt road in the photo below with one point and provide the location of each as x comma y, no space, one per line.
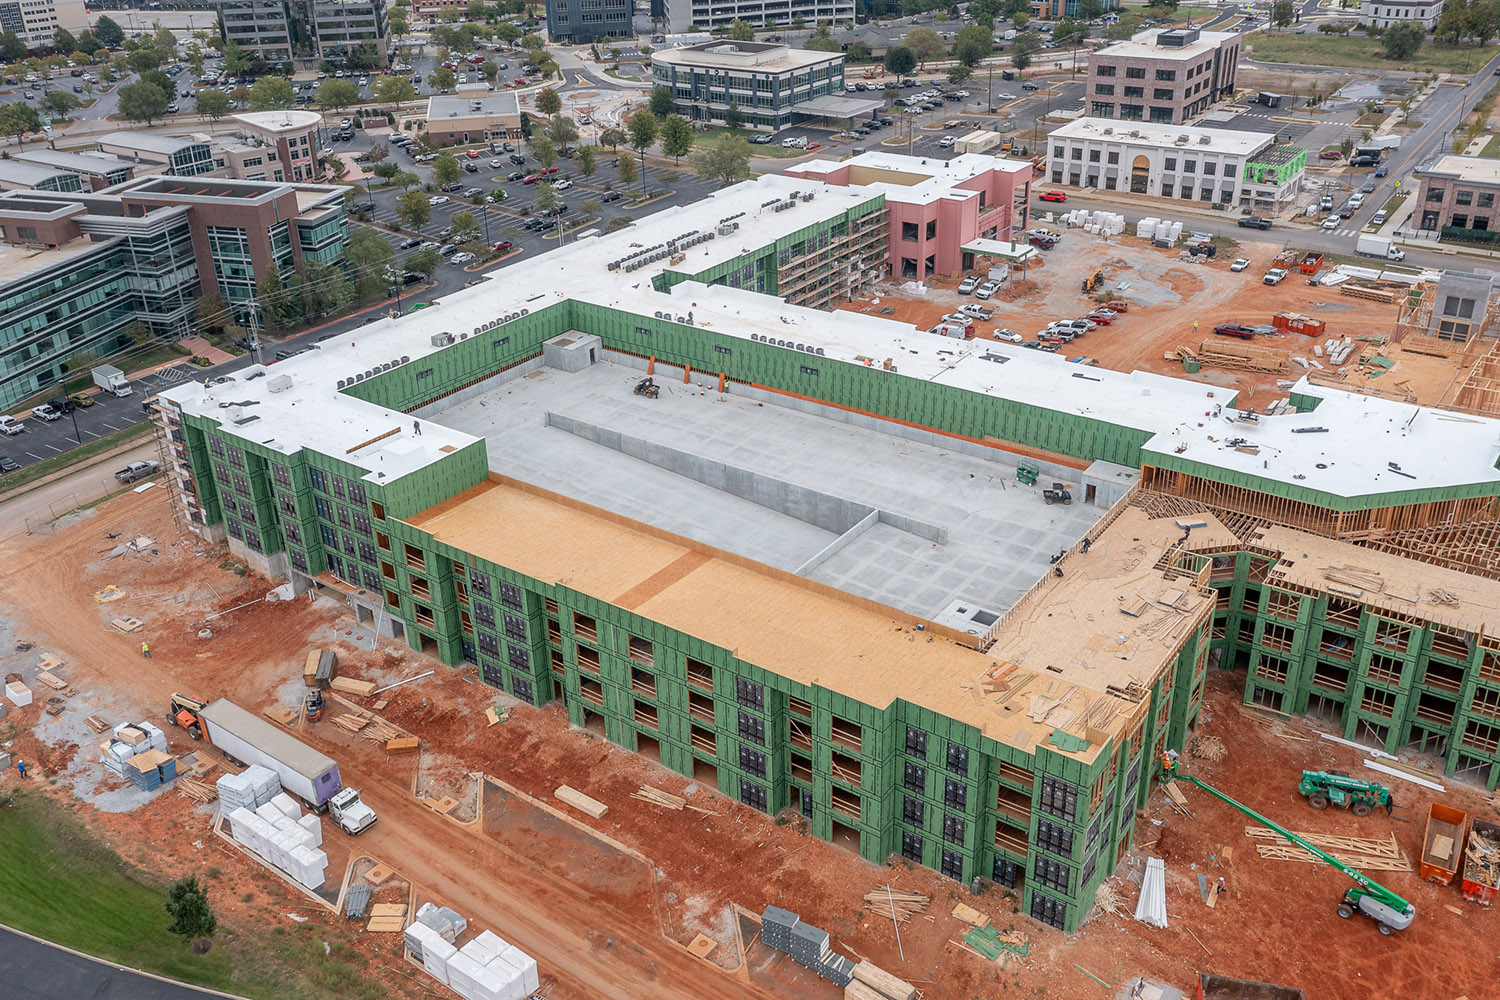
36,970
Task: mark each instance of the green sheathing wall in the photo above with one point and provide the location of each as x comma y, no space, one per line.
1319,498
195,434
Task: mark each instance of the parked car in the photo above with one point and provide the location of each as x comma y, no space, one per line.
503,246
947,141
1356,200
1053,196
462,259
8,464
563,184
451,186
1254,222
975,311
473,192
968,285
1103,317
10,426
82,399
1240,263
1239,330
438,199
1028,85
1382,170
1042,242
1008,335
1330,154
45,412
762,139
610,196
1332,222
409,244
1380,218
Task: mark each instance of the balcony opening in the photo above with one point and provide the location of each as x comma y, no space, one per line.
590,690
1010,838
643,682
1486,702
845,769
594,723
1331,677
799,734
585,627
641,651
645,714
648,747
705,774
419,588
415,559
1015,775
550,605
1327,710
1444,676
588,659
700,674
428,643
1014,804
701,706
388,571
554,631
1435,708
703,740
392,601
846,803
556,658
799,706
845,836
846,734
801,768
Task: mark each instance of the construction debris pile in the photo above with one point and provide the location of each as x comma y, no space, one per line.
1482,864
486,968
138,753
893,905
808,945
1207,747
279,833
250,789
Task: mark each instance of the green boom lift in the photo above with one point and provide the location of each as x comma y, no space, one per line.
1389,911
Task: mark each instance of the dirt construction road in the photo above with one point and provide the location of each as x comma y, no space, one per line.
590,949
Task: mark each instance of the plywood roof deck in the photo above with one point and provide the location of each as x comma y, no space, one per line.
815,635
1384,581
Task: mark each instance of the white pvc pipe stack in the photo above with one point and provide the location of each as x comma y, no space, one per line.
1151,909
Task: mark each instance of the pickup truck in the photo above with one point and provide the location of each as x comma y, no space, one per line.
137,470
45,412
1274,276
1235,330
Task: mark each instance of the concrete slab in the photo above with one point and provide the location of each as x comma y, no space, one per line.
778,485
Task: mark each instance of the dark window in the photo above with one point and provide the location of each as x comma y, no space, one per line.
753,762
345,521
753,795
916,777
1005,872
236,457
809,371
958,759
955,794
911,847
357,493
484,613
252,539
1054,837
338,487
241,484
488,644
955,828
1052,912
512,597
299,561
286,504
1463,197
366,551
315,476
362,524
369,578
753,729
1052,874
721,349
521,688
292,532
215,447
1106,70
490,673
750,694
519,656
1059,799
329,536
916,742
281,475
643,331
1135,72
479,581
914,811
471,655
515,627
325,509
953,864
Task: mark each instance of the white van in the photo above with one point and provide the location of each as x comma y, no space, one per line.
795,142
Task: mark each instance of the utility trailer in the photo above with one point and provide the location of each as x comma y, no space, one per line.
1481,863
1442,843
306,773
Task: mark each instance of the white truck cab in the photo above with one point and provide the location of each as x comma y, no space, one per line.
350,813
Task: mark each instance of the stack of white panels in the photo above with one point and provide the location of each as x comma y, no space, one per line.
486,968
314,827
290,847
115,754
1146,228
526,966
436,954
253,788
463,973
288,805
1151,909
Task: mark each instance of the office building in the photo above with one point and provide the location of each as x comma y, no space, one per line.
484,117
700,15
581,21
1162,76
1056,10
287,141
176,155
78,270
847,639
94,170
19,175
261,28
935,207
768,82
1384,13
1223,167
1457,198
279,31
34,21
341,28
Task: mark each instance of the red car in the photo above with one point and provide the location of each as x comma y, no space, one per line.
1238,330
1053,196
549,170
503,246
531,178
473,154
520,81
1102,318
1330,154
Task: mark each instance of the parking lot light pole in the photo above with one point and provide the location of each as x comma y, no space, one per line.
72,412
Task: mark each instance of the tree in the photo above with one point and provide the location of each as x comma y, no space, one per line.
662,103
547,199
611,137
618,223
734,118
900,60
973,43
563,131
391,89
676,137
490,70
478,10
1403,40
86,42
59,102
109,33
821,41
587,160
161,80
441,79
740,31
278,304
386,171
544,150
465,226
63,40
210,312
1282,13
240,96
1346,146
626,171
925,44
142,102
546,66
165,43
413,210
547,101
425,261
143,59
642,129
369,255
1090,10
336,95
1454,22
18,119
213,103
445,168
726,159
398,25
273,93
857,51
12,49
187,905
405,180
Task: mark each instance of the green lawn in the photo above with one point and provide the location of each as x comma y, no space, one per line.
1313,49
62,884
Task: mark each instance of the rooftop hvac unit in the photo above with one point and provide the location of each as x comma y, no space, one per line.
1135,133
820,350
442,339
1204,140
1109,131
341,383
405,358
724,230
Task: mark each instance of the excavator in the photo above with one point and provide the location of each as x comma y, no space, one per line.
1390,912
183,711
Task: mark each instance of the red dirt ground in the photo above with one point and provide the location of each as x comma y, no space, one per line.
605,914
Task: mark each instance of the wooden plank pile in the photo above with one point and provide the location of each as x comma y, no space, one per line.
1176,799
1207,747
871,982
97,723
971,916
348,685
198,791
1354,291
387,918
667,800
1237,355
368,726
890,904
1364,853
581,802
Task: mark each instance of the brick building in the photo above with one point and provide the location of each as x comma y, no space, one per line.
1162,76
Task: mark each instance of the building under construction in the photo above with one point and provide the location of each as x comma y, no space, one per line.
807,557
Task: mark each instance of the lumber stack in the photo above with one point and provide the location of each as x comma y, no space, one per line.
1354,291
871,982
971,916
348,685
1239,355
198,791
892,904
1364,853
667,800
1207,748
387,918
581,802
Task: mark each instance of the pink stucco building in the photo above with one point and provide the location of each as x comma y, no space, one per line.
933,206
